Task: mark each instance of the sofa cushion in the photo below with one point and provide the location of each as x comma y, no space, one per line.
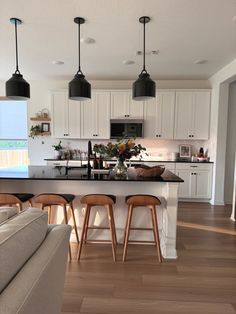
20,237
7,212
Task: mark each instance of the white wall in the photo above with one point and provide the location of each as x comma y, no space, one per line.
41,147
231,144
218,134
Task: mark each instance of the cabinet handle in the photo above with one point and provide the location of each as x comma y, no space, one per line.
194,166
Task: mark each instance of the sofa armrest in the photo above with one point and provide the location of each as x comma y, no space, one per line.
38,286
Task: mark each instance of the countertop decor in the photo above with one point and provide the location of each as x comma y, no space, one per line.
123,149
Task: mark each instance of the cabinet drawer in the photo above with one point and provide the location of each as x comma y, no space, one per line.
192,166
56,162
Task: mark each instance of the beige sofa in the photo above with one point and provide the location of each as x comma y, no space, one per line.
33,258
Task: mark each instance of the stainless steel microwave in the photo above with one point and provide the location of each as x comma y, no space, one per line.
126,128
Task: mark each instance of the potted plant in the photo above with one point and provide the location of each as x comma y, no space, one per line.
35,130
57,149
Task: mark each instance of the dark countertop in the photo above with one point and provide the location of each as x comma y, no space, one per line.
59,173
141,160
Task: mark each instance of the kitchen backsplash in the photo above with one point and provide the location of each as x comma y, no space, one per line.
41,148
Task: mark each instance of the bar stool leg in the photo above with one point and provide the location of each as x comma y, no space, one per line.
75,226
49,213
126,223
109,211
87,225
113,224
66,221
127,231
155,227
83,231
20,206
30,203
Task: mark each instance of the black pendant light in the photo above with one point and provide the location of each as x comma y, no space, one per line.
79,87
144,87
16,86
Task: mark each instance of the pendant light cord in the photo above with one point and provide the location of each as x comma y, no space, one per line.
79,69
17,67
144,48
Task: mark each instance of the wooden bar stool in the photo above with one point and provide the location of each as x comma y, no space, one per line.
50,199
151,202
107,201
15,199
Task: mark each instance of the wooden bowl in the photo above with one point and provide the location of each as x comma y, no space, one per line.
146,171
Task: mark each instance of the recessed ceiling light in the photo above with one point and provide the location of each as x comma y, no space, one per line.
128,62
57,62
234,19
87,40
200,61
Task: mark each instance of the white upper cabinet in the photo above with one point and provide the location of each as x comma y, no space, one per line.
123,106
159,116
201,115
65,115
95,116
192,115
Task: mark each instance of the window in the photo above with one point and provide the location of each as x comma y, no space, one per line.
13,133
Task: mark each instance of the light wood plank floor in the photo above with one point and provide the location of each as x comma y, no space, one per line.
202,280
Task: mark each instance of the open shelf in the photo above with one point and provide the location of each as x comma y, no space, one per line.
40,119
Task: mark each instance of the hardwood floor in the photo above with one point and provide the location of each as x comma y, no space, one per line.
201,280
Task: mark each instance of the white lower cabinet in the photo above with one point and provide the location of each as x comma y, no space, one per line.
95,116
197,180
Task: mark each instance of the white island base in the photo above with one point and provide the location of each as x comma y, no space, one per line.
166,213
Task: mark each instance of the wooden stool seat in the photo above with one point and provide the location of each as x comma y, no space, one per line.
143,200
98,199
50,199
54,199
15,198
104,200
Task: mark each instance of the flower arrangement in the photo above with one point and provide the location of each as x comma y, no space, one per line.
122,149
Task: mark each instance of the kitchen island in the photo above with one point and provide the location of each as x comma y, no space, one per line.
46,179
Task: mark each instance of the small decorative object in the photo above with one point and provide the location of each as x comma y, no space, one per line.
45,113
35,130
39,114
147,172
123,149
45,127
185,151
57,149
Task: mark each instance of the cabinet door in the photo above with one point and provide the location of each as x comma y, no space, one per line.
102,127
201,115
159,116
73,119
165,115
59,103
119,104
88,118
201,185
150,118
183,115
184,187
135,108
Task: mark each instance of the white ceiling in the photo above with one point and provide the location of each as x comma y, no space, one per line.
183,31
